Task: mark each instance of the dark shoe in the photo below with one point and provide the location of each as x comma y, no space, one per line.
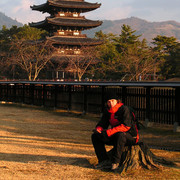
114,166
104,165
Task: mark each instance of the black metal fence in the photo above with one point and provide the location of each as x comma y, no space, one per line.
155,101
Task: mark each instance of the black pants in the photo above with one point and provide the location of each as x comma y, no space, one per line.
118,140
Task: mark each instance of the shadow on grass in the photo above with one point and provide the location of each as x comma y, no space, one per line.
28,158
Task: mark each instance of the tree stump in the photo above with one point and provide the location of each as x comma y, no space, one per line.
138,156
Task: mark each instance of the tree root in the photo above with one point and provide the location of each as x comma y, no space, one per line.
138,156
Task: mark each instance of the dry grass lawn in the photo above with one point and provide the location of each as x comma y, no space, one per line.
39,144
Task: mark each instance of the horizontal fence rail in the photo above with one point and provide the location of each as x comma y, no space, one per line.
153,101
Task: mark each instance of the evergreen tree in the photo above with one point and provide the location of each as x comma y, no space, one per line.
126,38
125,57
169,56
108,57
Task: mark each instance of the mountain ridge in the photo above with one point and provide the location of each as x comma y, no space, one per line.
146,29
8,22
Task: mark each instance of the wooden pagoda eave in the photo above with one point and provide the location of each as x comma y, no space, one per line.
75,41
78,5
43,7
40,24
73,22
74,4
66,22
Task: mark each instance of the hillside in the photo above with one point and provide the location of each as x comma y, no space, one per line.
148,30
8,22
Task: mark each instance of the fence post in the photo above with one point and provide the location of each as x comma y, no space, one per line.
147,118
14,92
44,93
23,93
69,98
32,93
7,92
124,94
0,91
177,110
55,96
102,98
85,100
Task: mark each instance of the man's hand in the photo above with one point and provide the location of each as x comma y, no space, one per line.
96,131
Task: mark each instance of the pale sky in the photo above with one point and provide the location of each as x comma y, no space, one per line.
150,10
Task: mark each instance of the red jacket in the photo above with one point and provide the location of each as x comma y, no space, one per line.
120,119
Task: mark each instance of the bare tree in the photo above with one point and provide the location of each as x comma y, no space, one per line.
137,61
31,56
79,63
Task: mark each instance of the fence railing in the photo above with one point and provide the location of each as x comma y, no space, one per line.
154,101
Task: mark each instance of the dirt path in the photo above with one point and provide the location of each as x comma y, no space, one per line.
42,145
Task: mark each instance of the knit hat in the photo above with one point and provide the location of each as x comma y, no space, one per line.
110,95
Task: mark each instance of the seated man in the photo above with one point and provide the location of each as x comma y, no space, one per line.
123,131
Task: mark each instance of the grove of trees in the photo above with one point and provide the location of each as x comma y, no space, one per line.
25,54
126,57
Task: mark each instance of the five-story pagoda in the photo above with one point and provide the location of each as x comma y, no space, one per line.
65,24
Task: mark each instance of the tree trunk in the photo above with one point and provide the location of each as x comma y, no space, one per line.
136,157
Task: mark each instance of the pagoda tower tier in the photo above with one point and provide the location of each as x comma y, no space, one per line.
79,6
65,24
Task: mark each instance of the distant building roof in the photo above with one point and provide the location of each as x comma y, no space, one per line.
66,4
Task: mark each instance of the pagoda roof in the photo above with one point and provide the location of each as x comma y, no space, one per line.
50,5
75,41
66,22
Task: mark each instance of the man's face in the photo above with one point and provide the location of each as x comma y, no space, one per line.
111,103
